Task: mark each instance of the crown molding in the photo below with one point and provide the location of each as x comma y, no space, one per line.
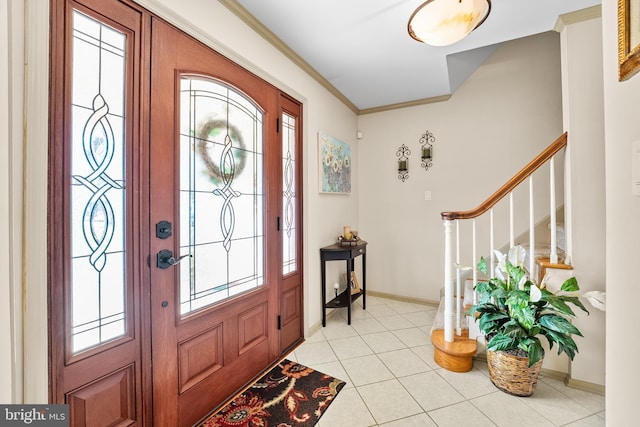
581,15
269,36
415,103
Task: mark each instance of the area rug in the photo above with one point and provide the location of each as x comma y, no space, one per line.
290,395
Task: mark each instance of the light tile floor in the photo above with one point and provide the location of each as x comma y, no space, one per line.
386,359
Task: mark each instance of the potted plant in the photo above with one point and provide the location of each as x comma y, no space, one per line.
514,313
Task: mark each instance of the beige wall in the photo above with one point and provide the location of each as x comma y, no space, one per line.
622,128
583,108
507,112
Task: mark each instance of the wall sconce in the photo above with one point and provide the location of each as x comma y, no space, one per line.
403,162
426,143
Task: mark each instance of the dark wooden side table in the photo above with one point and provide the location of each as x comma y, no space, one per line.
348,253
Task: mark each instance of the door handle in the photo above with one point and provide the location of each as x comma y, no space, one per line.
165,259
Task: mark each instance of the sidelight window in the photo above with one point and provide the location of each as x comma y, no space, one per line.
289,184
97,197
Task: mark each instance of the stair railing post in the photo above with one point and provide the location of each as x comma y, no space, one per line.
568,207
458,287
553,256
511,222
448,282
491,245
475,270
532,243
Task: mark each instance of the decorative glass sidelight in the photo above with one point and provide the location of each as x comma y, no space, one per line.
98,204
289,194
221,193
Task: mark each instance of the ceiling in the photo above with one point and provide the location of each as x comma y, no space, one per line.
361,50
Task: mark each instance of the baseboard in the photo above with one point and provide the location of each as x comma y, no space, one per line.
585,386
404,299
318,325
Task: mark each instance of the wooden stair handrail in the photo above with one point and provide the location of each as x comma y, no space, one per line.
510,185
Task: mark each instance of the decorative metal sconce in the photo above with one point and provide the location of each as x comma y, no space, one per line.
403,162
426,151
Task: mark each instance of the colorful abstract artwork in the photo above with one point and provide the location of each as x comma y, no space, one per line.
334,165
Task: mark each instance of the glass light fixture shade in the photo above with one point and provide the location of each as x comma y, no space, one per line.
444,22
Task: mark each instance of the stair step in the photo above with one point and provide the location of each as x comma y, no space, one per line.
456,356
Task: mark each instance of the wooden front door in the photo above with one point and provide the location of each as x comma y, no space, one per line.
174,223
215,157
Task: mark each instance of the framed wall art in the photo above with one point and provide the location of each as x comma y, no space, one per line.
628,38
334,165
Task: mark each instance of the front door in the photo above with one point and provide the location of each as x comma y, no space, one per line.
174,224
214,176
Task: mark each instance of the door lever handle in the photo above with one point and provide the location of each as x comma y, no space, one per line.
174,261
165,259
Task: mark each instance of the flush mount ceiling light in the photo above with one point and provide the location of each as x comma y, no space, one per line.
444,22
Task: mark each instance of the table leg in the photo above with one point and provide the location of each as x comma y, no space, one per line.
364,281
348,291
324,290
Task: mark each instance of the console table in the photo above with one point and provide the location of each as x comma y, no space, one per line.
348,253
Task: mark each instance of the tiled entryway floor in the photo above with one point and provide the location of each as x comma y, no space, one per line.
386,359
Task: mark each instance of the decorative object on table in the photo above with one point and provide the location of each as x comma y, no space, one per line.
289,395
628,38
353,283
346,232
426,150
334,157
403,154
336,288
349,237
513,312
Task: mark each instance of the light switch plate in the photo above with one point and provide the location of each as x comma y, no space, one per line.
427,195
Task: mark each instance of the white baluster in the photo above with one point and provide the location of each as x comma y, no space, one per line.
531,228
553,256
511,227
475,270
458,288
568,207
448,283
491,267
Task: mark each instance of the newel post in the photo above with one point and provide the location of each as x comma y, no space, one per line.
448,282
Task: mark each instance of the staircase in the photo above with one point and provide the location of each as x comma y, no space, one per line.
454,336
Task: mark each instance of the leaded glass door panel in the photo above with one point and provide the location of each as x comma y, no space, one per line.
221,193
214,304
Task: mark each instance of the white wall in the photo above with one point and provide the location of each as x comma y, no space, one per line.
11,81
507,112
583,110
622,128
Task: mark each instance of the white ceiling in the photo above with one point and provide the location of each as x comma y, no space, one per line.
362,48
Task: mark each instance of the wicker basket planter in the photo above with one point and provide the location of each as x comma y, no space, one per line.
512,374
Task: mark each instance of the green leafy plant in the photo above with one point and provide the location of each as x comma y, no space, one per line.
514,312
